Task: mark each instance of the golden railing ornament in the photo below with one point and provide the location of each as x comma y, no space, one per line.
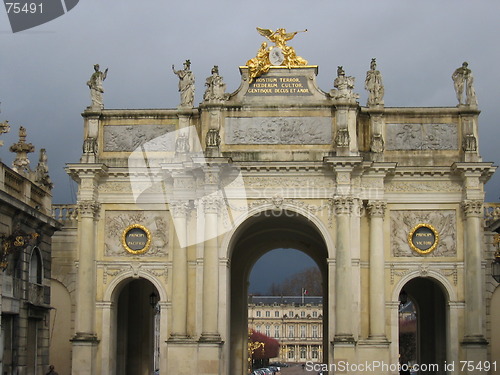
278,55
17,241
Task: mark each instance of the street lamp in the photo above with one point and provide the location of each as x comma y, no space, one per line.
153,299
495,265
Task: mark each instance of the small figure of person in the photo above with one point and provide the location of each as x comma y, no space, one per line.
186,84
374,86
51,371
95,85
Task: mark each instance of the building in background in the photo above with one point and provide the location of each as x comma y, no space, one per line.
296,322
26,228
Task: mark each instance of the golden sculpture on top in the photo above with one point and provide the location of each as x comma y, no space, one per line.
278,55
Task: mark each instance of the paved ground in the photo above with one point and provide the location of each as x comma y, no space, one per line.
295,370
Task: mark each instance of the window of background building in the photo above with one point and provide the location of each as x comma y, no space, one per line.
276,331
291,352
314,331
302,331
315,314
302,314
291,332
257,328
314,353
268,314
258,314
290,314
276,314
268,330
302,352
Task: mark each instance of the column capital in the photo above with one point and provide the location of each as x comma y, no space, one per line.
473,208
179,209
88,208
212,204
343,205
376,208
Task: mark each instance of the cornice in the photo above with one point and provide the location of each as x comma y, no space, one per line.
78,170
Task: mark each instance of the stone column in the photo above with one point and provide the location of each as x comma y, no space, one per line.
85,338
376,210
179,211
211,205
343,274
84,324
474,306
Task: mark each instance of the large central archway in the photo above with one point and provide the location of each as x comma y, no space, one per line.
259,234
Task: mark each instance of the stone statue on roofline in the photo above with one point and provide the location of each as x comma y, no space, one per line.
344,87
374,85
216,87
42,171
463,79
95,86
186,84
21,163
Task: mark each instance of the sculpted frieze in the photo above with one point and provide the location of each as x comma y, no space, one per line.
157,222
422,186
126,138
421,137
278,130
444,221
281,182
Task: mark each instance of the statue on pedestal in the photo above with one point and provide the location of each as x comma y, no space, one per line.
21,149
95,86
42,171
344,85
278,55
462,78
374,85
216,87
186,84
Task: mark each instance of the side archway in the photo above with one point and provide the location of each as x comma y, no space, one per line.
133,324
423,321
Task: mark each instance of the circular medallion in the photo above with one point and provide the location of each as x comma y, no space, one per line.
423,238
276,56
136,239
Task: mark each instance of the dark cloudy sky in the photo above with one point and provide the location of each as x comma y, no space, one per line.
418,45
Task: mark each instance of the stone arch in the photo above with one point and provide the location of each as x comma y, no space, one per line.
495,324
60,317
227,242
451,308
120,280
441,280
259,231
111,315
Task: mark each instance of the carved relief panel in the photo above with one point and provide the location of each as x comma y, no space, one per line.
444,222
156,222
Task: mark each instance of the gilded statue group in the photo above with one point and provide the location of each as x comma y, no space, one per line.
278,55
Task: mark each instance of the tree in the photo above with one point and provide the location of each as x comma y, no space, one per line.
262,353
310,279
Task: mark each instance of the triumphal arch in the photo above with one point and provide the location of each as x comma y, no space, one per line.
176,205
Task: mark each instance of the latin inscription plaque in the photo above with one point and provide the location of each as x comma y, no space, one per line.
136,239
279,85
423,238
